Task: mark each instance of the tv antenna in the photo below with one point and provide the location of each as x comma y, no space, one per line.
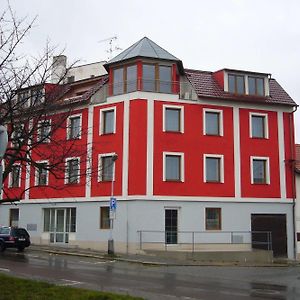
113,47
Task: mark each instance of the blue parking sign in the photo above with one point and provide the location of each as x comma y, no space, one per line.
113,203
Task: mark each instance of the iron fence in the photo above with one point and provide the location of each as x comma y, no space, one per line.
195,240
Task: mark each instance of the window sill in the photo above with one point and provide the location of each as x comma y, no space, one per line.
107,133
259,138
175,131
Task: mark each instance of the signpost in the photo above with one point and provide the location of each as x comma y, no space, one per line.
3,146
112,209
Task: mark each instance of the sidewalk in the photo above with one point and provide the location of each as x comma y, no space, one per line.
152,260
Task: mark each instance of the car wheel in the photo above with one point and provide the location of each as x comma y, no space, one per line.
2,247
21,249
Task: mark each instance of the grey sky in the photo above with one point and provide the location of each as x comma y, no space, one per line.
254,35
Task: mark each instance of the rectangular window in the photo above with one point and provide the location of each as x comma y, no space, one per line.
44,131
108,121
106,167
213,218
236,84
165,79
171,226
258,126
149,82
14,217
260,170
213,168
15,176
18,134
74,127
104,217
213,122
24,98
72,171
37,96
172,119
41,174
256,86
118,79
60,221
131,78
173,167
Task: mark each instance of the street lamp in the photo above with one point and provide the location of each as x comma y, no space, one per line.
112,209
3,145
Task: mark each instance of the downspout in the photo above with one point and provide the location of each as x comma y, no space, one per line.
292,145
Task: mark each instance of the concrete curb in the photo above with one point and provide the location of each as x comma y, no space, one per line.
165,264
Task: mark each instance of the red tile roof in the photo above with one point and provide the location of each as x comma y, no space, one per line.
298,157
205,85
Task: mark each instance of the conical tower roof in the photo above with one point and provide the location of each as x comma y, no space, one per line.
145,48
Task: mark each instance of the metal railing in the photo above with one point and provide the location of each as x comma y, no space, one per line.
183,89
195,240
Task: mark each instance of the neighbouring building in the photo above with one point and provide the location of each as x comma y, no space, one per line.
297,172
204,161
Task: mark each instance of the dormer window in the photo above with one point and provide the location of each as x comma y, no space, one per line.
236,84
157,78
118,75
125,79
256,86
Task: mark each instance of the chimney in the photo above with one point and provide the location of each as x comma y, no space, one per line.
59,67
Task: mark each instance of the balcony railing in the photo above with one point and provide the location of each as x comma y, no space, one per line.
183,89
204,240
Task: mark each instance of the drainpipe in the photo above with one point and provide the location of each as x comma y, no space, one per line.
292,145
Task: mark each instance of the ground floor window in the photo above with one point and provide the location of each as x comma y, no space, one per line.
104,217
14,217
213,218
59,222
171,226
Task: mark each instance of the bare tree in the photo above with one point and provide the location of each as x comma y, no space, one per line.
27,100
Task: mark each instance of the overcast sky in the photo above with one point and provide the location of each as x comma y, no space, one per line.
254,35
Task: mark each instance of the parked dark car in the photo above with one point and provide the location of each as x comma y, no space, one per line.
14,237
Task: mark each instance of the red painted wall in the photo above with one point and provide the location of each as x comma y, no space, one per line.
259,147
219,77
137,170
54,152
107,143
288,123
193,144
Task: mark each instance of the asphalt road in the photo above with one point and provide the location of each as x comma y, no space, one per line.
193,282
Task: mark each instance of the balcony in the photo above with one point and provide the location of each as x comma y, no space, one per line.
184,90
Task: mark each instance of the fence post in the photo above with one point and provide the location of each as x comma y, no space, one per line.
193,235
141,242
231,237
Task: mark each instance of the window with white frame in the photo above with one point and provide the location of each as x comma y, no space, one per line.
15,176
106,167
173,118
41,173
108,120
173,163
44,131
259,125
260,170
74,127
213,122
213,168
72,170
18,134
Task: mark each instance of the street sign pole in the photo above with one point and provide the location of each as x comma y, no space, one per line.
112,210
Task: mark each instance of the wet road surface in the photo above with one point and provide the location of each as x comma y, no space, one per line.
188,283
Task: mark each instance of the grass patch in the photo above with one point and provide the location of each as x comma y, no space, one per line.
23,289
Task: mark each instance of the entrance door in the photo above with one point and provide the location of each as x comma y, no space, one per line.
58,232
276,224
171,226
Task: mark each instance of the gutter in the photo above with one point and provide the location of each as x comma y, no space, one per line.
293,166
